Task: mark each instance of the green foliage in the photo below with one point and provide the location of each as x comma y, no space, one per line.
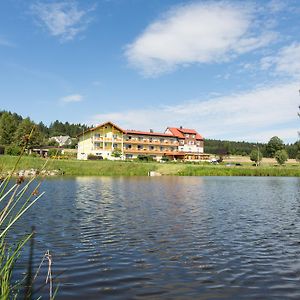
256,156
53,143
165,158
8,126
54,152
117,153
281,156
274,144
223,148
13,150
94,157
143,157
59,128
292,149
21,136
298,156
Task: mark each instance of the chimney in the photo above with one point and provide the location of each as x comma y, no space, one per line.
180,127
151,130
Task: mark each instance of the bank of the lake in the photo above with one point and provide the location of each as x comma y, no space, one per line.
128,168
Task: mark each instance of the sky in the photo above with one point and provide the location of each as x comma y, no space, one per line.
229,69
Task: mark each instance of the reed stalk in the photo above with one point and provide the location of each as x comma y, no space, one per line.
15,200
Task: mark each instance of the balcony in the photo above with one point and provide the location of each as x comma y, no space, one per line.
148,142
107,140
154,151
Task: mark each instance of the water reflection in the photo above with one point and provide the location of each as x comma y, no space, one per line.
172,237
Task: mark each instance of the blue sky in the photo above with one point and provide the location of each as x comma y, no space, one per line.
229,69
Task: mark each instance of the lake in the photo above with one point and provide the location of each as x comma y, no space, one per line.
168,237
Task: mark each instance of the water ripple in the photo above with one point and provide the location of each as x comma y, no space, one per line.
170,237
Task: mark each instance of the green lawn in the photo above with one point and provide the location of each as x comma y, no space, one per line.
126,168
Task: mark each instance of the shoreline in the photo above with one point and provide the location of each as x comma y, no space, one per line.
30,166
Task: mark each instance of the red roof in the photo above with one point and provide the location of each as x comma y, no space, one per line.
179,132
175,132
148,133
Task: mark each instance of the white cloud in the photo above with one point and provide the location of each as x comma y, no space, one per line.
206,32
62,19
248,116
72,98
287,61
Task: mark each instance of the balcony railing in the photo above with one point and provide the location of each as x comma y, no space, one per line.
148,142
154,151
107,140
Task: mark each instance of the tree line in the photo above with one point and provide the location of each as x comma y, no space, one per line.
223,148
14,129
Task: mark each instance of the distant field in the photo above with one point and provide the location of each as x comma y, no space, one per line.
265,160
126,168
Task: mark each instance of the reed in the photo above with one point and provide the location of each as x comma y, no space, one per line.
16,197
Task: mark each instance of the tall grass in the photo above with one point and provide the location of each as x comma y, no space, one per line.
16,198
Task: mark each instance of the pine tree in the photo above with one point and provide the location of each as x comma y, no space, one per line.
23,131
8,126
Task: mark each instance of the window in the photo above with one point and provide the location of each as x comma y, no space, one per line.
139,147
115,136
97,135
97,144
128,146
129,137
151,147
193,136
187,135
161,148
129,155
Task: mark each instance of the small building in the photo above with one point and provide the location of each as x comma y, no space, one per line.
62,140
108,139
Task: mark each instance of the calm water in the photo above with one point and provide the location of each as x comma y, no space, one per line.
170,237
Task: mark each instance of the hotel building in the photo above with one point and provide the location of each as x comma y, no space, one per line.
107,139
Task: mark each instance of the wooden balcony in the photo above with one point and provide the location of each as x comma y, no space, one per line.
108,140
147,151
148,142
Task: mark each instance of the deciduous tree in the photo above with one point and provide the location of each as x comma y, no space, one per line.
281,156
274,144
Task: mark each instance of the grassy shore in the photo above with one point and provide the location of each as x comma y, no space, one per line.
126,168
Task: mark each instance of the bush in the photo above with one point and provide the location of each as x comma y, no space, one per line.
281,156
298,156
13,150
54,152
143,157
165,158
117,153
94,157
256,156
